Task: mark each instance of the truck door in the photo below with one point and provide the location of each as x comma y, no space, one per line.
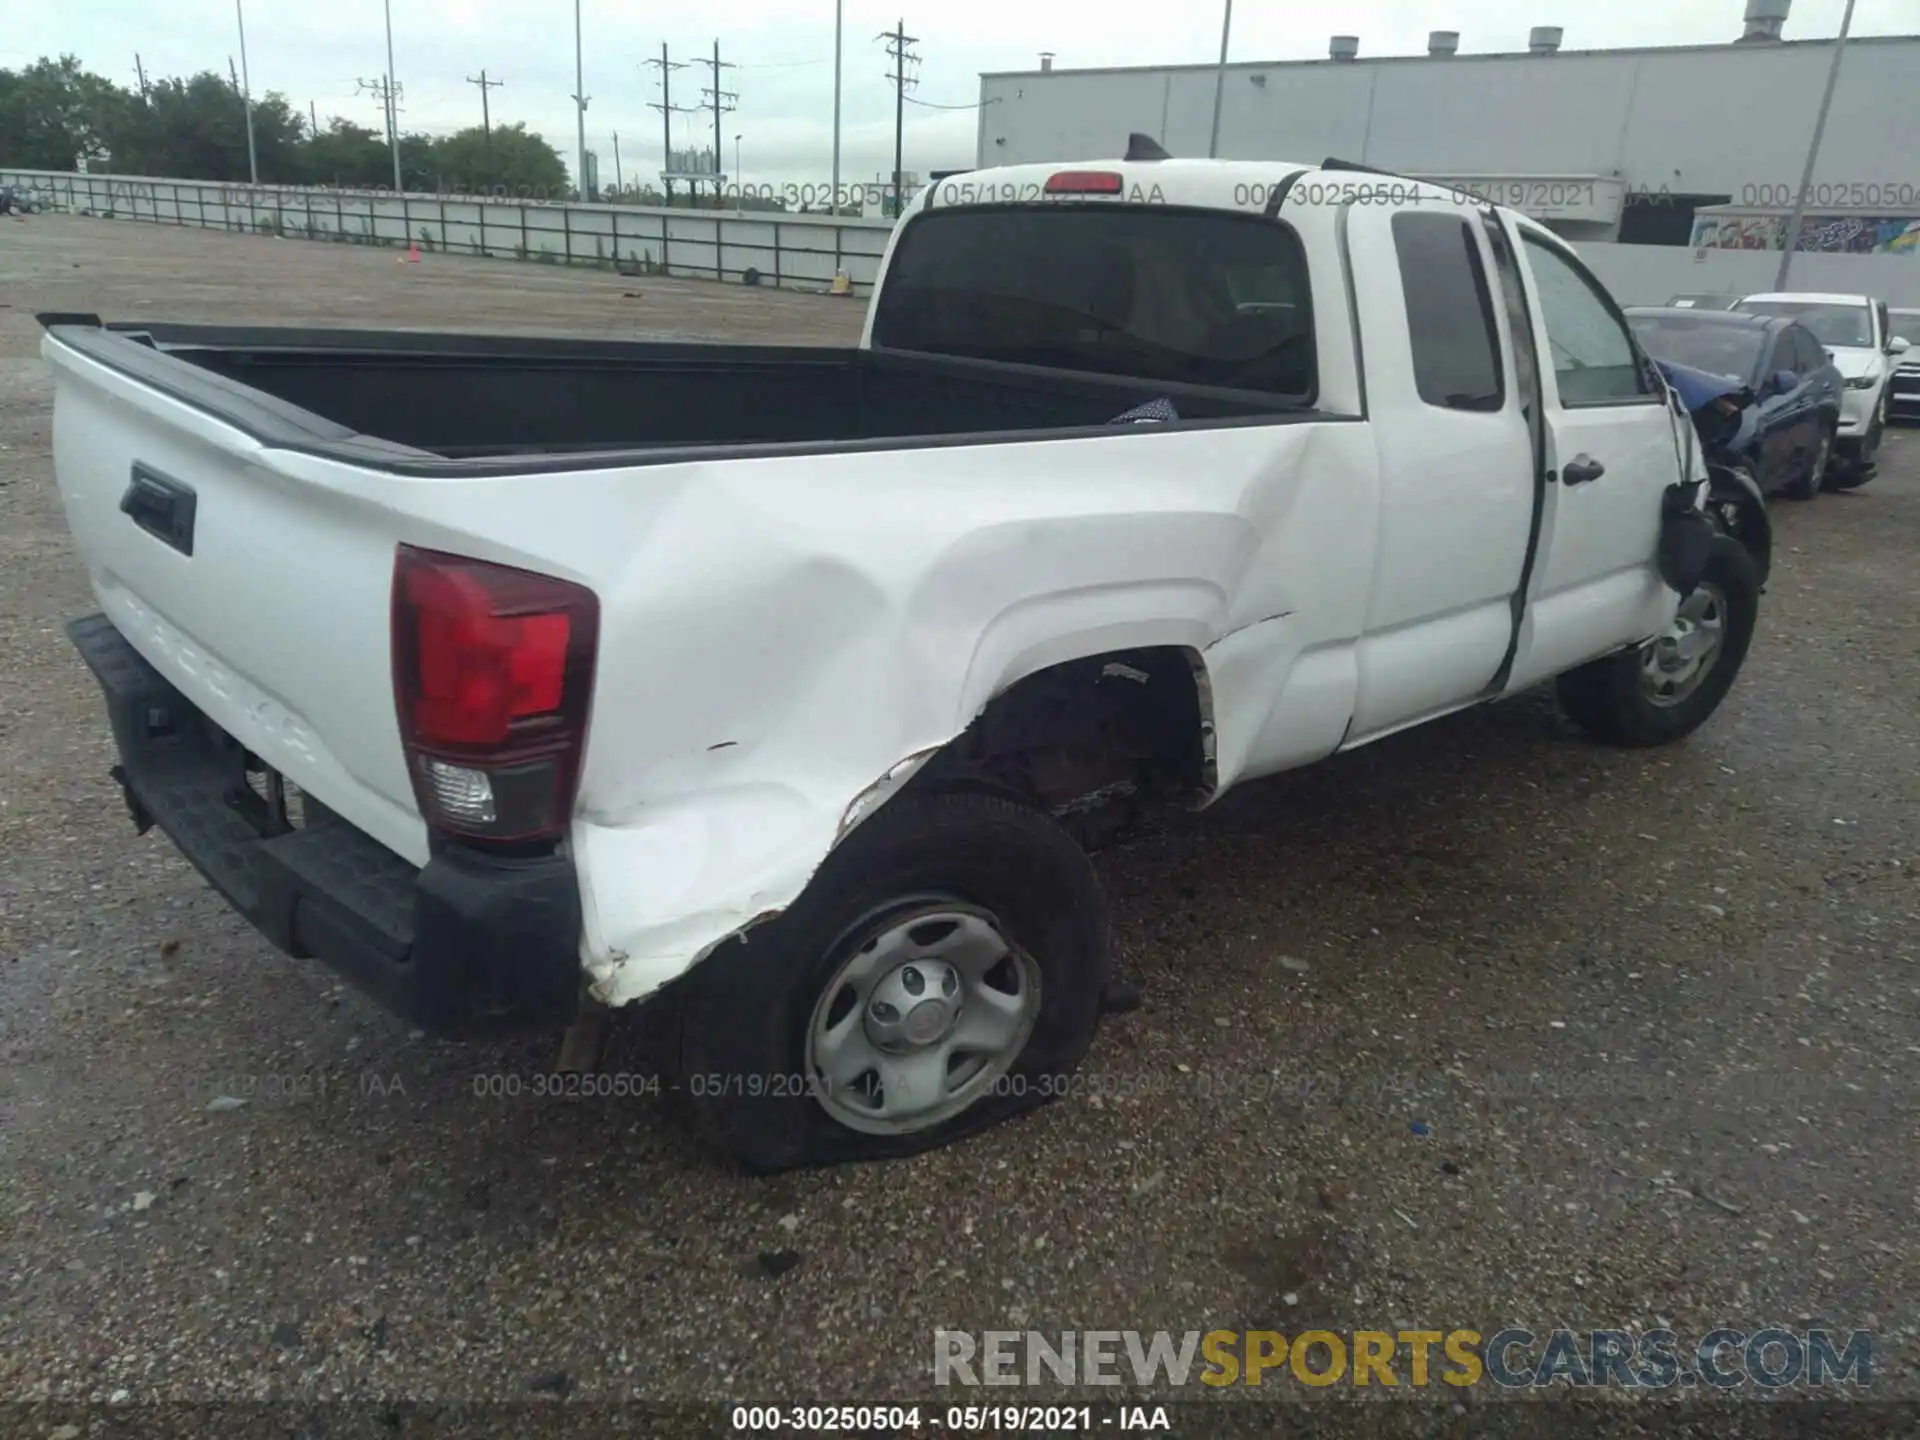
1612,448
1456,465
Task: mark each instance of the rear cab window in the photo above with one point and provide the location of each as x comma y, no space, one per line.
1456,355
1188,297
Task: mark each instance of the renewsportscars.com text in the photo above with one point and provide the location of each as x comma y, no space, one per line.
1514,1358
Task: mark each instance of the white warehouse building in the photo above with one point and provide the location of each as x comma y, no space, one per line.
1603,145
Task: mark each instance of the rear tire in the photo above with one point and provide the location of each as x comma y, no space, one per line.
760,1014
1649,695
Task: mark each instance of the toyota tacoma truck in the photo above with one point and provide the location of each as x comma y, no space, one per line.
781,690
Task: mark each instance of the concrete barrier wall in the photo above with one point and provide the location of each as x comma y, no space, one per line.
794,251
1651,274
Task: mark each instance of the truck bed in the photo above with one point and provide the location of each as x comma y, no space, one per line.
515,399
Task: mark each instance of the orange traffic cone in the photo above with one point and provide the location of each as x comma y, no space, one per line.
413,255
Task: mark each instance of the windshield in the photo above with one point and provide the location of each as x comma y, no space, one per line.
1192,297
1718,348
1843,325
1905,325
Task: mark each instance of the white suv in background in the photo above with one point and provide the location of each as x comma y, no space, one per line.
1856,332
1904,401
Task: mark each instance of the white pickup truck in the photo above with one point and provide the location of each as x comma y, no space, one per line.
519,678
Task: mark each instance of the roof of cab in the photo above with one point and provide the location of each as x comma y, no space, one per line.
1193,182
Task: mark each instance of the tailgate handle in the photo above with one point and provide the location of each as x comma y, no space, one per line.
161,507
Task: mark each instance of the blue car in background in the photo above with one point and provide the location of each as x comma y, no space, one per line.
1787,440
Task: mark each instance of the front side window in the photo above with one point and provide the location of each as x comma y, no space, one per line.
1190,297
1456,357
1593,357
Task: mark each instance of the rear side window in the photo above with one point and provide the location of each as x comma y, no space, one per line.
1456,359
1189,297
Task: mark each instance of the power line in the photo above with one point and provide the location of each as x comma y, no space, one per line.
929,105
903,80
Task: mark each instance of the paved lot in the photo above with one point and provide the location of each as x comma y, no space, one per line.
1500,1028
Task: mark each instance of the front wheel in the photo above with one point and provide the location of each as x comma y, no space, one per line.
942,973
1815,480
1666,688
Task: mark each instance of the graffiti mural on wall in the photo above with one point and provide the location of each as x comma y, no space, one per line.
1830,234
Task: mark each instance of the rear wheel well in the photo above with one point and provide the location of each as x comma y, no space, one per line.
1094,739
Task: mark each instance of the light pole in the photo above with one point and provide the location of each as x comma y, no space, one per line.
834,201
1220,82
580,101
1813,152
736,164
246,94
393,110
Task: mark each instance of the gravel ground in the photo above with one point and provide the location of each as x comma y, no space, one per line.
1482,1026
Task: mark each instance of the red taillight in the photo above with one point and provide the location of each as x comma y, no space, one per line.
492,675
1083,182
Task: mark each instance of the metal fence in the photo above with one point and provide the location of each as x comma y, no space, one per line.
794,251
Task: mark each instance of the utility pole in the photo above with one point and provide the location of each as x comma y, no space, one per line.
389,96
619,181
486,117
580,101
666,107
1813,153
717,96
897,42
313,115
393,106
140,70
246,94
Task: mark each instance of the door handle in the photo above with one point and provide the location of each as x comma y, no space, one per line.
161,506
1581,469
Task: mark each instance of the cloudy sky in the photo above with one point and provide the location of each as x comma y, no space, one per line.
784,51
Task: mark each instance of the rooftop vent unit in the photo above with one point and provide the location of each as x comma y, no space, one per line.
1544,39
1442,42
1765,20
1046,61
1343,47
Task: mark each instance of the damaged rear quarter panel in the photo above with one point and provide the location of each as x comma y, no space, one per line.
783,636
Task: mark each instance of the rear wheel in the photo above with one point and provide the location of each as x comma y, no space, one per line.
942,973
1666,689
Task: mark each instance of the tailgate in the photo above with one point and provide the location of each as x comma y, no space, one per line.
262,598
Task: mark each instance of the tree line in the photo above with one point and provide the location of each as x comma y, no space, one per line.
55,115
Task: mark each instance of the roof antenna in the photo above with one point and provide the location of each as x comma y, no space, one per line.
1145,147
